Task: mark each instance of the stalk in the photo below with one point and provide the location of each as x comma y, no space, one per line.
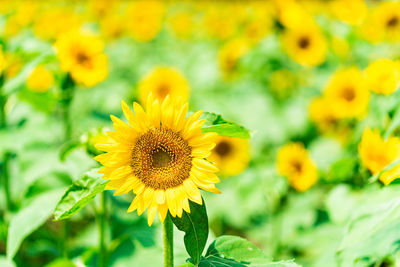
168,236
102,216
67,87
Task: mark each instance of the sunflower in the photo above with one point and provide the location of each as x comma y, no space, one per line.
230,54
82,56
321,113
348,93
295,163
305,45
181,24
231,155
159,155
351,12
40,80
386,19
163,81
377,153
144,19
383,76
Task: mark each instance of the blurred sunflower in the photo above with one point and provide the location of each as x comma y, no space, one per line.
383,76
230,54
160,156
282,82
220,23
352,12
40,80
231,155
348,93
112,26
305,45
322,114
292,14
296,165
82,56
386,20
181,24
163,81
144,19
340,47
377,153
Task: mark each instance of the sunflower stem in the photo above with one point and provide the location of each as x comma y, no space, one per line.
102,216
168,236
6,177
67,87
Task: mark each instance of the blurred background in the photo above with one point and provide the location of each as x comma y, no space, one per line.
315,81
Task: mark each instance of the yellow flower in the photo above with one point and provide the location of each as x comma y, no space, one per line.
144,19
305,45
219,22
181,24
54,21
376,154
383,76
82,56
231,155
112,26
40,80
23,15
3,62
348,92
386,21
295,164
230,54
352,12
160,157
13,65
321,112
163,81
282,82
291,14
340,47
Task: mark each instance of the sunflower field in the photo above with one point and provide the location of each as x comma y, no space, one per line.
200,133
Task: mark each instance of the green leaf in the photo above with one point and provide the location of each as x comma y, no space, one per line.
61,263
4,262
215,123
30,218
195,226
80,193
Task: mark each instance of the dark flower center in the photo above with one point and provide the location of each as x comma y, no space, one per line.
304,42
223,148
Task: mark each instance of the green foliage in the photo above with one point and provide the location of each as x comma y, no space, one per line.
79,194
195,226
30,218
215,123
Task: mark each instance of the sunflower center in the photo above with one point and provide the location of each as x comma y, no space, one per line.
304,42
163,90
297,166
393,22
348,94
161,158
83,59
223,148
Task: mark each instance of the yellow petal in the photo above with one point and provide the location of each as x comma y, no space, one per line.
150,214
204,165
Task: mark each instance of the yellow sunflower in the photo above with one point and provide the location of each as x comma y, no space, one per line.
305,45
348,93
383,76
386,19
352,12
40,80
231,155
82,56
159,155
163,81
377,153
144,19
295,164
321,113
181,24
230,54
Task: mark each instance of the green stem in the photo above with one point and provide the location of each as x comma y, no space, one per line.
168,236
102,216
5,175
67,87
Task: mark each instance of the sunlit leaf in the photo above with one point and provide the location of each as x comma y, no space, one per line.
30,218
195,226
80,193
215,123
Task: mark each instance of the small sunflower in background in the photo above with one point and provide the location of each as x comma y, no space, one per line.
292,14
181,24
351,12
220,23
231,155
305,44
163,81
340,47
144,19
82,56
348,92
323,115
160,156
377,153
282,82
230,54
40,80
383,76
386,20
295,163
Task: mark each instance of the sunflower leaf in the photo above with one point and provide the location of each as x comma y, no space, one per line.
215,123
195,226
80,193
28,219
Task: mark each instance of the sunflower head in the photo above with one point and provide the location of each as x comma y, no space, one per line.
383,76
163,81
40,79
305,45
82,56
296,165
387,20
231,155
348,93
230,54
160,156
